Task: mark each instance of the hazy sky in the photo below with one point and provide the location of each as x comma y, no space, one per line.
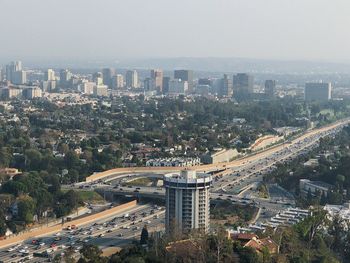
271,29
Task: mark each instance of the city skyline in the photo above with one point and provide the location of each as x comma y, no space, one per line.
251,29
174,131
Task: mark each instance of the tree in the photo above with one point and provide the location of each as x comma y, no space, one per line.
221,246
323,200
91,254
346,251
14,187
266,257
336,230
57,259
340,179
66,203
54,184
63,148
72,198
33,159
309,227
5,157
71,160
69,256
247,254
3,226
144,236
26,208
43,201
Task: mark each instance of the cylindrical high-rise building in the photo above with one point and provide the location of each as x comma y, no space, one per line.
187,201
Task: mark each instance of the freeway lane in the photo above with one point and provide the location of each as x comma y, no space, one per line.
110,231
251,171
289,151
215,167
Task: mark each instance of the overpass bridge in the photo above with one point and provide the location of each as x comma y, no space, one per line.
159,193
219,167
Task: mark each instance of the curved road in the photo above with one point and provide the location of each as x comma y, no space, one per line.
122,172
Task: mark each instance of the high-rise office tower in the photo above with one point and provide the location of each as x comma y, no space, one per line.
8,72
48,86
149,84
19,77
166,81
17,65
185,75
11,68
318,91
108,74
270,88
65,77
226,88
178,87
243,84
157,77
131,79
187,201
203,90
97,75
49,75
99,81
205,81
118,81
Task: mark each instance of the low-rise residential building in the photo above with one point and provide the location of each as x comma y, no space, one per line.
314,187
32,92
10,93
10,171
253,241
173,162
343,211
311,163
286,217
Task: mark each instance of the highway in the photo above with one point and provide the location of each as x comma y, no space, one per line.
233,180
114,231
120,172
238,175
255,169
234,177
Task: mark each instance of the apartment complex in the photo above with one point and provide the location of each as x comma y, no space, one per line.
187,201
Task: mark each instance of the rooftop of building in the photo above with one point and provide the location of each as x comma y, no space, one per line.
188,174
317,183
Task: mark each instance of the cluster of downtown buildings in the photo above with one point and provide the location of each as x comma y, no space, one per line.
16,83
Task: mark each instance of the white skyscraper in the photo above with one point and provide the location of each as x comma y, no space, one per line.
50,75
187,201
118,81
